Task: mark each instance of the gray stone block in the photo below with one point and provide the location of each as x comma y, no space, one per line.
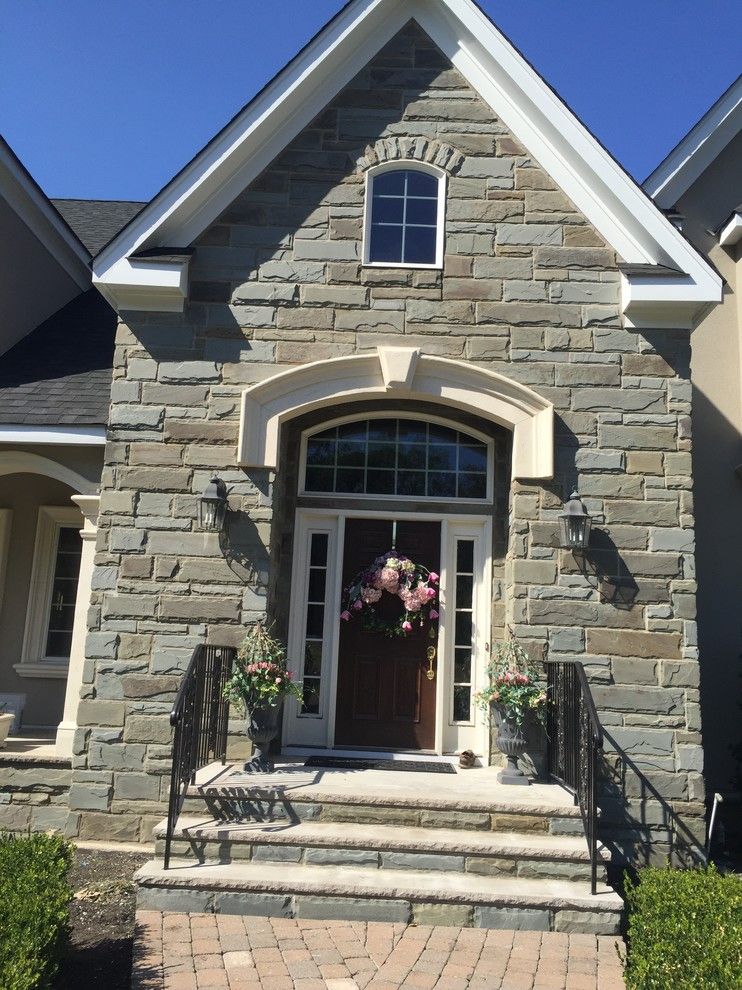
250,903
587,922
177,899
519,919
352,909
276,854
341,857
421,861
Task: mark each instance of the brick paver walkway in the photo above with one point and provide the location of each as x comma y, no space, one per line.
188,952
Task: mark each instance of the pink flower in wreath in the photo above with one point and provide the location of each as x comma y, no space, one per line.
388,580
370,595
345,616
406,626
411,601
433,614
430,593
434,578
358,604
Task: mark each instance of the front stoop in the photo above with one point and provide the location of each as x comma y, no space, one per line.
408,848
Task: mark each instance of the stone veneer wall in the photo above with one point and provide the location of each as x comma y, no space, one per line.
528,289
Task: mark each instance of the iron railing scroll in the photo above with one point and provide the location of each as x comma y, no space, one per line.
200,719
575,744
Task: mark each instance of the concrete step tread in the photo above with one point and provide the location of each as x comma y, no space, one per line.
355,882
386,837
469,790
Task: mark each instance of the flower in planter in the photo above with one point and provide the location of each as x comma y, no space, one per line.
260,677
513,684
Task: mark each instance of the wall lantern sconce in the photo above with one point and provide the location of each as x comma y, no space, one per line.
574,524
212,509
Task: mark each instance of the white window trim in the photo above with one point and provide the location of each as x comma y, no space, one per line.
34,662
398,414
6,520
413,165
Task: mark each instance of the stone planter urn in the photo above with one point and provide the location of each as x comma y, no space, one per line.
261,728
6,721
511,740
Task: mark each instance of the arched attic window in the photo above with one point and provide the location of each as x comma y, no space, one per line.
405,215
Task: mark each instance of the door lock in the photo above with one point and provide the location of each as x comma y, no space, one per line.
430,673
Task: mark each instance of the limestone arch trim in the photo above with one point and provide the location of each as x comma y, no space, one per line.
397,373
419,149
24,462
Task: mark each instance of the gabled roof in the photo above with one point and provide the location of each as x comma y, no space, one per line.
60,373
96,221
576,161
27,199
701,145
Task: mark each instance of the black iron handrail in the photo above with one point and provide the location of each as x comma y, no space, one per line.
574,744
200,719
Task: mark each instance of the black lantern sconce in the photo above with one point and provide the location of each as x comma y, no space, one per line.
212,509
574,524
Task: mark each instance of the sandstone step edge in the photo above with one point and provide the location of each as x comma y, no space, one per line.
284,793
411,839
339,881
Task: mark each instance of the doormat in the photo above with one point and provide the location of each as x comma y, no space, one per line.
409,766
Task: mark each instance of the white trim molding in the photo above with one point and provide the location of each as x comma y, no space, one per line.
24,462
72,436
701,145
27,200
34,662
626,218
398,373
731,231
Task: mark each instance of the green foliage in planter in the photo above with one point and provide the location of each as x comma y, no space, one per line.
260,677
513,684
685,930
34,909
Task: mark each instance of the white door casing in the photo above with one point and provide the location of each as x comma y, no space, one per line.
317,731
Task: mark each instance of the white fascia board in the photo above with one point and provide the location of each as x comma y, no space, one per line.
77,436
702,144
30,204
731,232
598,186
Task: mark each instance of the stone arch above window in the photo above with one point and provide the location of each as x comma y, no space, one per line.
418,149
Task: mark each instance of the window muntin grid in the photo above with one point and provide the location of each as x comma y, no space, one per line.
463,643
396,458
314,625
64,592
404,217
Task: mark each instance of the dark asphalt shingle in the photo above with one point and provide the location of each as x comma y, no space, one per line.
96,221
60,373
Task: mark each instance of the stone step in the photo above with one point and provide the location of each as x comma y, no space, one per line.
362,894
382,847
467,802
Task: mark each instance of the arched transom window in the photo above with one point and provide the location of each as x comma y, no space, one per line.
398,458
404,216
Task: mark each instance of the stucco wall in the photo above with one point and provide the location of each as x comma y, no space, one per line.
528,289
717,426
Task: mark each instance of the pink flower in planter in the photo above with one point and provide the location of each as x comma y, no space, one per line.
406,626
278,680
345,616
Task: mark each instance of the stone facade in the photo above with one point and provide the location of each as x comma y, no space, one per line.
528,289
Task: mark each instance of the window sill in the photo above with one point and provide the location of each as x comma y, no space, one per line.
49,669
435,267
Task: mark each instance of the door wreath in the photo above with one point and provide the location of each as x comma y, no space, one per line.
415,585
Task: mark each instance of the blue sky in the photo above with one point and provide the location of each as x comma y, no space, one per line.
109,98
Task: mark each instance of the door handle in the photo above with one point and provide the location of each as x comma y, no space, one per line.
430,672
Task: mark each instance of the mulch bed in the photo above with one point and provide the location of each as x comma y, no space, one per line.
102,921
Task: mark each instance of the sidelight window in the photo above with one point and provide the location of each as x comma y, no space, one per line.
315,622
463,677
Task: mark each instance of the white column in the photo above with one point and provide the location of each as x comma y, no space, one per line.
88,505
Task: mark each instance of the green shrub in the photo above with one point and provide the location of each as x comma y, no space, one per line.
34,909
685,930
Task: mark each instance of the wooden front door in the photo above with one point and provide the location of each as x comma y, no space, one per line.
384,698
